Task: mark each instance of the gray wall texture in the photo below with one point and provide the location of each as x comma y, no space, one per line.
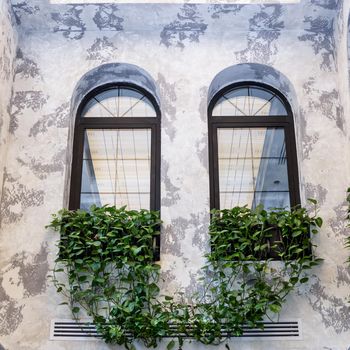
46,48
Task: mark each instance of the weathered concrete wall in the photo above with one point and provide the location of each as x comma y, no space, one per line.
182,47
8,42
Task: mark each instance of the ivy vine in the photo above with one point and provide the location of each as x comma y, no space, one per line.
257,258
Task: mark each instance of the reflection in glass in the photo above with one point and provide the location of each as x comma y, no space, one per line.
119,102
249,101
252,167
116,168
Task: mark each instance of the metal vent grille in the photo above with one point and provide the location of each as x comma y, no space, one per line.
85,330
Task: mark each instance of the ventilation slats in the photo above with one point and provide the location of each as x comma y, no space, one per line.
85,330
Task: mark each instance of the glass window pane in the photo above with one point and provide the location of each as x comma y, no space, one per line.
117,167
272,175
119,102
87,200
272,200
252,167
249,101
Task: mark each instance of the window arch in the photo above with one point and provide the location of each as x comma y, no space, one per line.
252,148
116,149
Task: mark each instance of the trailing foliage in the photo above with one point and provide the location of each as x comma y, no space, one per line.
108,258
257,257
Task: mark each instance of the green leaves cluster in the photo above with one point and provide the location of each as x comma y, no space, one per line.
257,259
107,255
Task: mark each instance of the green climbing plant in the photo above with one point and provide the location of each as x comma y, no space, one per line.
257,258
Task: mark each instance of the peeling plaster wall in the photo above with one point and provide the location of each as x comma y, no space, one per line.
182,47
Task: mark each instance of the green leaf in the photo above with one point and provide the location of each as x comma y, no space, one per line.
296,233
304,280
75,309
170,345
319,221
136,250
275,308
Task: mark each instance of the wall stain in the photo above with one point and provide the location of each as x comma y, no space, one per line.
320,34
202,144
201,237
17,197
168,98
110,73
42,169
333,310
193,288
23,7
101,50
330,106
174,233
338,224
326,4
106,18
308,141
32,270
167,277
218,9
6,57
58,119
5,64
171,195
264,29
316,192
22,100
188,26
25,67
343,276
70,23
10,312
328,102
172,236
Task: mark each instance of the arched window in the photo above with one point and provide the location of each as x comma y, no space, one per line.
116,150
252,148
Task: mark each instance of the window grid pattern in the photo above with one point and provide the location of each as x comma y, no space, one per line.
249,101
119,103
116,168
252,167
116,156
252,149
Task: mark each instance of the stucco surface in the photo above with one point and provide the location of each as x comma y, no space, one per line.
182,47
8,44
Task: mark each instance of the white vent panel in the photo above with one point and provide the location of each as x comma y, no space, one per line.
66,329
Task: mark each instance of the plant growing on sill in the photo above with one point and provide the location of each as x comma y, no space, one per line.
248,283
107,256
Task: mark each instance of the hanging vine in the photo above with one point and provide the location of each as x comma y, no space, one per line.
257,258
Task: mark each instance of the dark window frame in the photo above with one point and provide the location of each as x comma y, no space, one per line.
84,123
231,122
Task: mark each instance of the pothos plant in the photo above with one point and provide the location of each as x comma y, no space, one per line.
257,257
